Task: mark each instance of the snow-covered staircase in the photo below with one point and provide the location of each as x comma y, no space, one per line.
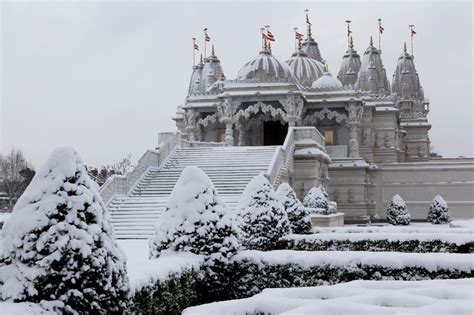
230,169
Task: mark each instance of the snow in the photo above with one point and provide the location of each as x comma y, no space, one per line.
313,152
4,217
10,308
412,228
453,238
327,81
355,297
308,259
467,224
143,272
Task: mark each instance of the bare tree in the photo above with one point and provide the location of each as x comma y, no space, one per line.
15,174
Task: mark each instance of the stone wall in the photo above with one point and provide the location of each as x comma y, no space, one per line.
419,182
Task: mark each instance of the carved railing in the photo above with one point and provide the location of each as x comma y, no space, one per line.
123,184
199,144
283,157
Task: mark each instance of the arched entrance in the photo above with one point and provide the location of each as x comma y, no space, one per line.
274,132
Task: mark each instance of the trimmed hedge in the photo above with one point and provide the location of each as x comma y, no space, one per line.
249,276
171,296
313,243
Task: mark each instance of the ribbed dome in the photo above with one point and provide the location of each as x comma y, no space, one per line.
265,67
372,76
327,81
306,70
350,67
405,82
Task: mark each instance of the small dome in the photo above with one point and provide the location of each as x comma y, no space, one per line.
327,81
265,67
305,69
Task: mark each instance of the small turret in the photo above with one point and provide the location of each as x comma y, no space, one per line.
406,83
350,65
372,75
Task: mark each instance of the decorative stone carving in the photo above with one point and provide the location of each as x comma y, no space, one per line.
226,113
366,136
293,105
355,117
260,107
350,195
320,115
190,123
379,139
208,120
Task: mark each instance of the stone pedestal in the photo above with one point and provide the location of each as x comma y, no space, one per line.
327,220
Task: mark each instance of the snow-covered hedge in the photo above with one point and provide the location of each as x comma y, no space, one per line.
397,211
355,297
438,212
376,242
256,270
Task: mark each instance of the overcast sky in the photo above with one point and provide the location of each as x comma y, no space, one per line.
106,76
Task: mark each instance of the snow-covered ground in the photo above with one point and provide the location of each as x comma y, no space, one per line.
468,224
356,297
4,217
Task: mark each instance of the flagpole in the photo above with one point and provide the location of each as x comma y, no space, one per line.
268,45
296,30
194,51
205,43
411,26
380,34
348,32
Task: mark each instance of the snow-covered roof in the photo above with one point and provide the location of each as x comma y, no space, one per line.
327,81
263,67
305,69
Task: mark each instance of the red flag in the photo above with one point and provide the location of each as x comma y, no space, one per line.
413,32
307,20
196,47
298,35
381,29
270,36
206,37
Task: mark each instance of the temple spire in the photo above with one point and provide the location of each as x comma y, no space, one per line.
308,24
349,32
212,51
371,41
351,43
405,47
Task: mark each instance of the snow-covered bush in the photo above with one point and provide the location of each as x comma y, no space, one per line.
317,198
298,215
438,212
263,219
196,220
397,211
58,244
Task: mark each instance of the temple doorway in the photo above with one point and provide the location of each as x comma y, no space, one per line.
274,132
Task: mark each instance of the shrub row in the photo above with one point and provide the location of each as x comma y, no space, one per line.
249,276
413,245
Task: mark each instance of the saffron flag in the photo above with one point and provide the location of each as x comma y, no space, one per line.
270,36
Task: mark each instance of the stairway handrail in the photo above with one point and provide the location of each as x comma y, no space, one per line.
281,157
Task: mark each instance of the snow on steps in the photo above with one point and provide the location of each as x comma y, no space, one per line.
230,169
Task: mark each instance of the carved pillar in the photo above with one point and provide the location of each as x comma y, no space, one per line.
189,121
293,105
241,140
354,119
226,113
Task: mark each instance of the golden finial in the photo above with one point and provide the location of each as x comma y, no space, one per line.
212,51
371,41
351,43
308,23
405,47
201,58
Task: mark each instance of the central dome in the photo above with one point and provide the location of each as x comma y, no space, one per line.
305,69
265,67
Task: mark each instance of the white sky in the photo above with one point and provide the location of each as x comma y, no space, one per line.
106,76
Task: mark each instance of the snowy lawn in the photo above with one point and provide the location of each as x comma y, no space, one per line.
355,297
143,271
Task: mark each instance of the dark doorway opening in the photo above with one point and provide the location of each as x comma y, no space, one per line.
274,132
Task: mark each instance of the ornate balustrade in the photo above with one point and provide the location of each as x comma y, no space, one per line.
123,184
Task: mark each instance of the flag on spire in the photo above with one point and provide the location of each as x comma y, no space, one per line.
298,35
206,37
196,47
270,36
381,29
413,32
